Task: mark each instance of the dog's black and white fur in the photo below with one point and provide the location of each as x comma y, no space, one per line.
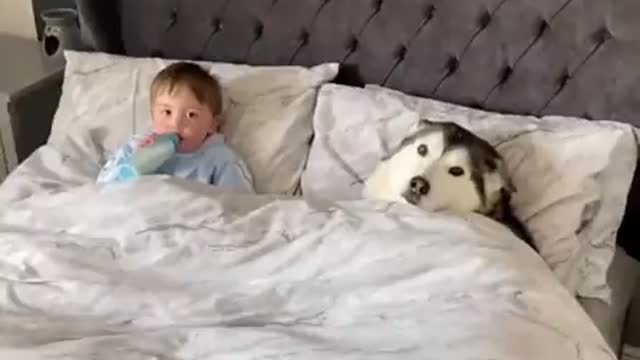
443,166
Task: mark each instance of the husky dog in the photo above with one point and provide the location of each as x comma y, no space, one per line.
443,166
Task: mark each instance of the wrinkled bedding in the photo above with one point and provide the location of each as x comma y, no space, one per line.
169,269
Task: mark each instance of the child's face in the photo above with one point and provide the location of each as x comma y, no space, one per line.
180,112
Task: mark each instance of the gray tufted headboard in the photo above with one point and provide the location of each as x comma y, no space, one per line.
564,57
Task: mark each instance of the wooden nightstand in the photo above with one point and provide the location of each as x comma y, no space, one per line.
30,88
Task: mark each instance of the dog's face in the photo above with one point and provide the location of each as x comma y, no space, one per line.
442,166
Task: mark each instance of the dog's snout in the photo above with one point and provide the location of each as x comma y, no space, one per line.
419,185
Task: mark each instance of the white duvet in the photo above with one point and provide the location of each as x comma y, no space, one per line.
170,269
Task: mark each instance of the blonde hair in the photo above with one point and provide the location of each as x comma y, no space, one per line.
204,86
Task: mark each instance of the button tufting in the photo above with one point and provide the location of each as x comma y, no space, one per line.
377,5
505,74
542,28
587,116
401,52
564,78
216,23
173,17
452,65
304,37
353,44
429,11
258,29
602,35
484,20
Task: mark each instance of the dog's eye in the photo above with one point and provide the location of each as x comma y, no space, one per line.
423,150
456,171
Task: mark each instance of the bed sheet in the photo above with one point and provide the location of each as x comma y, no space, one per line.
164,268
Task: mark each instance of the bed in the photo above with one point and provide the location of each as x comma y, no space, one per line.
316,92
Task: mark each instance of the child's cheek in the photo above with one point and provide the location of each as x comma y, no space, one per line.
158,127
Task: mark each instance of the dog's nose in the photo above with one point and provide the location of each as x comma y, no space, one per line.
419,185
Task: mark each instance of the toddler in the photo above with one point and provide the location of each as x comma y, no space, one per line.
187,101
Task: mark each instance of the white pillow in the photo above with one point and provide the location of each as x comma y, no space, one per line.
268,110
572,175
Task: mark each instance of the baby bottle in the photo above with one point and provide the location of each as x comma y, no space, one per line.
149,156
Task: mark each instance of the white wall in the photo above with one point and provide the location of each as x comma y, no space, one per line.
16,18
